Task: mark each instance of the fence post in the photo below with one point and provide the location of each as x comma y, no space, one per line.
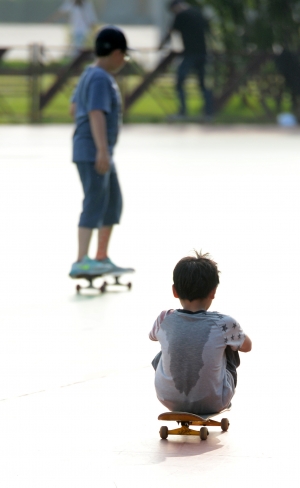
35,72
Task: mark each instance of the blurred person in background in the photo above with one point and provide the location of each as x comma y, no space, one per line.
193,27
82,19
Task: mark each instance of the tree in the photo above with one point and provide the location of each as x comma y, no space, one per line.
266,30
253,24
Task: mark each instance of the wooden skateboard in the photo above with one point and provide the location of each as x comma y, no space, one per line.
187,419
104,284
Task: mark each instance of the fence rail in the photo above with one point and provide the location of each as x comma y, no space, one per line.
228,73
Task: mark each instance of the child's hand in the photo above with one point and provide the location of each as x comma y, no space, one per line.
102,162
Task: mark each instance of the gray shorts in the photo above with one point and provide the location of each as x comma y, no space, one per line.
102,203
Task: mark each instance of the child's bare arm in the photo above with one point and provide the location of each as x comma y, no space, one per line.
247,345
73,110
99,131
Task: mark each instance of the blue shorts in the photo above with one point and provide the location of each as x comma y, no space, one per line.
102,203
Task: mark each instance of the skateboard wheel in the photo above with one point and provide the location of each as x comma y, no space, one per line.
129,285
225,424
163,432
203,433
78,288
103,287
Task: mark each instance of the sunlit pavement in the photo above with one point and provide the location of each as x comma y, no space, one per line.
78,407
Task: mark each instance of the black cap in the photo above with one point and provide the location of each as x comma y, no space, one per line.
109,39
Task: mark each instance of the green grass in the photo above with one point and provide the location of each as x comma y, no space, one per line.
154,106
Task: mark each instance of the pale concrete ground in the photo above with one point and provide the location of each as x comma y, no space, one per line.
78,407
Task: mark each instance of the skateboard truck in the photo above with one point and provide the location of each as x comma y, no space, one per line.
104,285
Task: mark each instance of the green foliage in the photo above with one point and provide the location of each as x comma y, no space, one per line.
253,24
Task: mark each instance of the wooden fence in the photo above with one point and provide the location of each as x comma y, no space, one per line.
231,73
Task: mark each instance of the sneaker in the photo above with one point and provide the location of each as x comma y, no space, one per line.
89,267
113,268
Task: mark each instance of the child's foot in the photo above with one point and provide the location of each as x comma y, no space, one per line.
113,268
89,267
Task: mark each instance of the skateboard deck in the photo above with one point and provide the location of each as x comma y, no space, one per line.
187,419
90,278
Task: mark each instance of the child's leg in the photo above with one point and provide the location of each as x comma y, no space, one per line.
103,240
112,214
96,197
84,238
233,362
156,360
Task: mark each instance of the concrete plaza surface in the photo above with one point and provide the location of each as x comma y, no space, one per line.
78,406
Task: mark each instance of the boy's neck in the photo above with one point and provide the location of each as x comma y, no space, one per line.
196,305
104,63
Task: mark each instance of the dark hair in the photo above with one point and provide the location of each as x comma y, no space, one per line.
195,277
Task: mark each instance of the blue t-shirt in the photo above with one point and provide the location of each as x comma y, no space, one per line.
96,90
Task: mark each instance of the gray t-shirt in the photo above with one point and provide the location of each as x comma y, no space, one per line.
96,90
191,375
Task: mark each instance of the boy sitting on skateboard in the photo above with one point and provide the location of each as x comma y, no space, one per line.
196,368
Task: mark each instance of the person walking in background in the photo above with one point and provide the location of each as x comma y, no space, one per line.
96,107
193,27
82,19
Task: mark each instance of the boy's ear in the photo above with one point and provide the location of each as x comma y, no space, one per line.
213,293
174,292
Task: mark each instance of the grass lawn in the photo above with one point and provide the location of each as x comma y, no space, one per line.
154,106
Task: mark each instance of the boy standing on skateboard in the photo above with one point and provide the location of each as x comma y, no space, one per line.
196,368
96,107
